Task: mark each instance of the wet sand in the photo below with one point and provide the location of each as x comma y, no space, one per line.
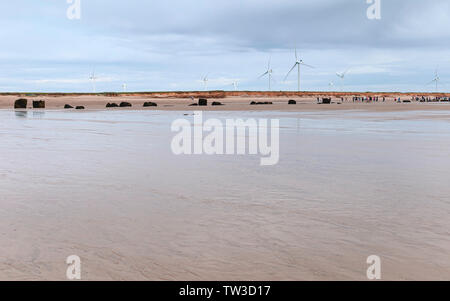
230,103
105,186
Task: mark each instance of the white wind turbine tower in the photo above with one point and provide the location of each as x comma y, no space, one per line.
235,85
436,79
124,87
93,78
298,63
205,82
269,73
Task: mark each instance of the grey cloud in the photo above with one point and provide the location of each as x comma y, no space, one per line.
164,44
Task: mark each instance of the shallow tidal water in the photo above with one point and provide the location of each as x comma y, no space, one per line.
105,185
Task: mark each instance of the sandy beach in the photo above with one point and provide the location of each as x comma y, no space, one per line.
104,185
232,101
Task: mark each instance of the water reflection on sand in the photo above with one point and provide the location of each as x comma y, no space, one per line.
105,186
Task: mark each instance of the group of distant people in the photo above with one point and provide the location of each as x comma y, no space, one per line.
429,99
362,99
368,99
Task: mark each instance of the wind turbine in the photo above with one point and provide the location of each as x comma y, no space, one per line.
205,82
124,87
269,73
235,85
298,63
436,79
93,78
342,77
331,84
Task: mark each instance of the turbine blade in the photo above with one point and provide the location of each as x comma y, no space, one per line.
273,79
287,75
267,72
307,65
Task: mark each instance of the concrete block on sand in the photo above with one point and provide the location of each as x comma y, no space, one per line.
20,103
38,104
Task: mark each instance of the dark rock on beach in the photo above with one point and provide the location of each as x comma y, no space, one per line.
202,102
112,105
292,102
21,104
193,105
79,108
125,104
68,106
261,103
150,104
39,104
216,103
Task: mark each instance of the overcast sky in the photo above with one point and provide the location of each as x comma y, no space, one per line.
170,45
